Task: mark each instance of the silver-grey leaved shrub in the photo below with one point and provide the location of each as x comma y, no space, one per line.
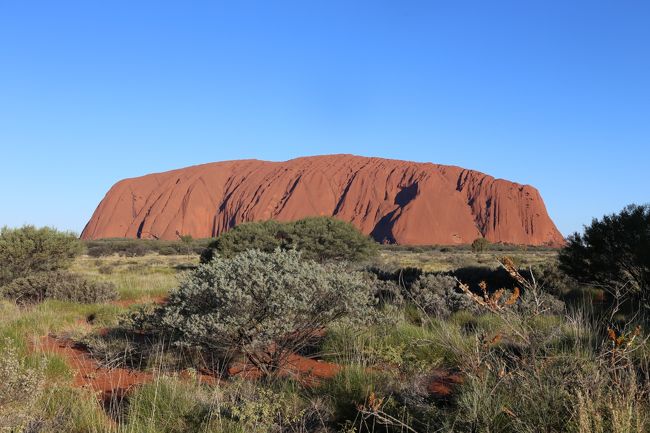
20,388
438,295
264,306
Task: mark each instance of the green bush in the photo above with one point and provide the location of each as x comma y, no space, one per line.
169,251
480,244
61,285
318,238
262,305
264,236
324,239
28,249
99,251
613,252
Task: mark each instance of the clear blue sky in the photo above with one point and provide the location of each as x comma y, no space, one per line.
551,93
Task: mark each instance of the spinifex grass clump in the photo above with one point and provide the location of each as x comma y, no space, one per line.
262,305
548,369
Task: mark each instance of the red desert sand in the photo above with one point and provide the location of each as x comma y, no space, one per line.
117,382
393,201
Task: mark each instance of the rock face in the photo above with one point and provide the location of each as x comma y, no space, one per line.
394,201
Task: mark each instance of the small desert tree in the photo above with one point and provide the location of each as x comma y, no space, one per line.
262,305
480,244
613,252
186,241
28,250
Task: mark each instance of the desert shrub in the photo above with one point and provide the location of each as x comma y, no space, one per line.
169,251
29,249
480,244
387,292
99,251
438,295
136,250
401,276
20,388
529,302
140,247
527,295
259,414
263,409
61,285
324,239
553,279
186,243
613,252
495,278
121,247
262,305
264,236
318,238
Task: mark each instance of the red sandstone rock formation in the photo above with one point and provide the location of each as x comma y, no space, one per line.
395,201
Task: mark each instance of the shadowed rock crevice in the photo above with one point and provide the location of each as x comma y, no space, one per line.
383,231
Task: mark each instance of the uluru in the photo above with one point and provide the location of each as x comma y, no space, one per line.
394,201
